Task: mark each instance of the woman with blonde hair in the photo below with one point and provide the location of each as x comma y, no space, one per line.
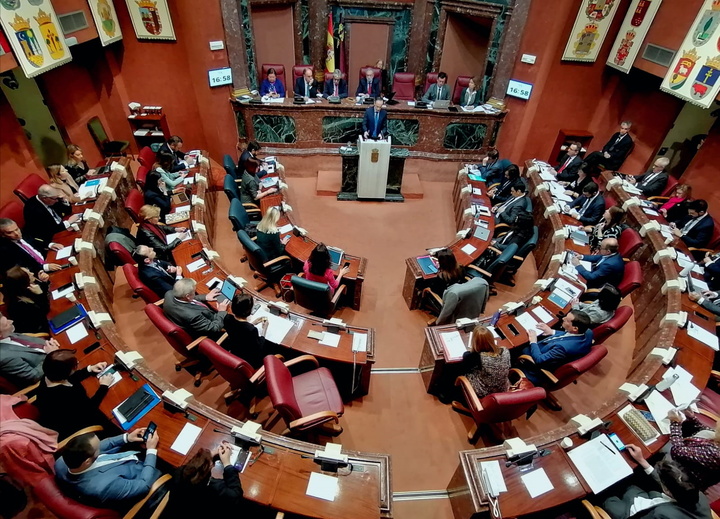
677,205
154,234
76,165
62,180
487,365
268,234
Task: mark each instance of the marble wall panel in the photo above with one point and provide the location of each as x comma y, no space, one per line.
404,132
274,128
341,129
464,136
249,46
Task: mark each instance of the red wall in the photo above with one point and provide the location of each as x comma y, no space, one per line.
702,174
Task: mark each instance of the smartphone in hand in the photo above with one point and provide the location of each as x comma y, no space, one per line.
151,428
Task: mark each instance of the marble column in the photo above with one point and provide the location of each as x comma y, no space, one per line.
418,37
509,48
234,42
318,32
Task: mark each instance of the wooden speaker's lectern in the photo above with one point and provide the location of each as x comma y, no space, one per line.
373,168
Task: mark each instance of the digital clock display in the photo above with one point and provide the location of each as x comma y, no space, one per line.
519,89
220,77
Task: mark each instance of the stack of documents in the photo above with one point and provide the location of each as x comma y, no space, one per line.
277,327
600,463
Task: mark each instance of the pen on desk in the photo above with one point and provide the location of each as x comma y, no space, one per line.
608,448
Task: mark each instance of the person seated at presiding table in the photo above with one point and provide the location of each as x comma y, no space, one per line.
670,494
709,300
194,493
603,308
191,312
607,266
501,193
369,84
63,404
21,356
492,167
44,215
158,275
305,85
574,188
244,339
268,234
337,86
102,474
677,205
696,229
15,251
470,95
156,193
615,150
77,166
654,181
567,168
610,226
154,234
174,147
695,447
521,230
486,365
559,348
375,121
439,91
517,203
163,165
26,300
318,268
588,207
272,86
61,180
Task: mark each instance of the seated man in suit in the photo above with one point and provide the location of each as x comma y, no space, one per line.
654,181
673,494
190,311
517,203
589,206
439,91
501,192
174,147
697,229
16,251
709,300
44,215
615,151
21,356
561,347
711,263
375,121
306,86
369,85
158,275
98,474
492,167
337,86
607,267
567,169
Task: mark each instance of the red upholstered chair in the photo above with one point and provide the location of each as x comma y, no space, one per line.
670,186
604,331
304,401
121,254
133,203
279,73
63,507
632,278
460,83
376,71
14,211
496,408
630,241
609,202
141,176
140,289
29,186
329,76
430,79
146,157
404,86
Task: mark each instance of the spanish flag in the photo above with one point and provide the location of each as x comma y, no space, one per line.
330,47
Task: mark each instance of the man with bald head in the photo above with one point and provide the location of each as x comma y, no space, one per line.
14,250
305,85
44,215
607,267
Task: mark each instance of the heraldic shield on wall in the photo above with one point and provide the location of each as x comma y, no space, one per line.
694,74
33,31
106,21
151,19
589,31
632,34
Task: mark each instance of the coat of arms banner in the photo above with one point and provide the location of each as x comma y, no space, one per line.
151,19
632,34
106,21
589,31
35,35
694,74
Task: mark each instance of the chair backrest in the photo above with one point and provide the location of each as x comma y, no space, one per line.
672,183
146,157
230,188
529,245
29,186
280,388
298,72
279,72
604,331
140,288
238,215
632,278
233,369
464,300
714,242
176,336
503,407
48,492
404,86
569,373
256,256
141,175
313,295
99,135
329,76
497,267
460,83
14,211
630,241
609,202
230,167
376,73
430,79
121,254
133,203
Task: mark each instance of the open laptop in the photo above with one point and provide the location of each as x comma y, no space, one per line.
336,257
441,103
227,291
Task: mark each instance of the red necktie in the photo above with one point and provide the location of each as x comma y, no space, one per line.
18,338
562,168
335,93
32,252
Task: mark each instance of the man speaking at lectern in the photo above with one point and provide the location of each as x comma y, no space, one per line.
375,121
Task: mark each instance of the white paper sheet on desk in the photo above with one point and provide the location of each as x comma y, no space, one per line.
63,253
213,281
330,339
58,294
359,342
562,197
527,321
411,103
468,249
700,285
182,209
322,486
195,265
598,467
685,262
651,212
494,474
477,191
77,332
286,228
567,287
684,393
186,439
659,407
277,328
542,314
546,174
702,335
454,344
537,482
183,236
188,181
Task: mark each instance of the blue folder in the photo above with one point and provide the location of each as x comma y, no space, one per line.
155,401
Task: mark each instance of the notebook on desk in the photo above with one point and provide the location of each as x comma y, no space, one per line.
441,103
427,265
336,257
227,292
179,198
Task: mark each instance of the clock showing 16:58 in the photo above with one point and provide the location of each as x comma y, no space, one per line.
220,77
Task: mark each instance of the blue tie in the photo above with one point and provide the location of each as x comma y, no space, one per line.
375,130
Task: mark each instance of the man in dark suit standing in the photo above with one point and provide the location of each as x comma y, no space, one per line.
16,251
614,152
519,202
44,215
22,356
607,267
589,206
158,275
190,311
305,86
174,147
369,85
375,121
567,169
697,229
337,86
654,181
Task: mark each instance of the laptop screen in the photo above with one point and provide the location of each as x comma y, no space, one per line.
336,255
228,289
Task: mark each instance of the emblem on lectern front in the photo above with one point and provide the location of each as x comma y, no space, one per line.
375,155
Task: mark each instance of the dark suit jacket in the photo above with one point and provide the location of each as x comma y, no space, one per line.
22,365
475,101
493,171
432,95
342,88
300,87
177,157
197,320
699,236
593,213
712,275
655,187
513,208
369,122
617,152
611,270
219,498
558,349
39,223
570,173
11,254
363,87
503,191
164,202
145,236
157,280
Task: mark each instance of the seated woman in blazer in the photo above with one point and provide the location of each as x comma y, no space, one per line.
61,180
317,268
154,234
449,273
677,205
163,165
486,365
610,226
26,300
470,96
155,193
575,188
76,165
268,234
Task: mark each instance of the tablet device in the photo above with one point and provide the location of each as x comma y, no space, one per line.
227,292
336,256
